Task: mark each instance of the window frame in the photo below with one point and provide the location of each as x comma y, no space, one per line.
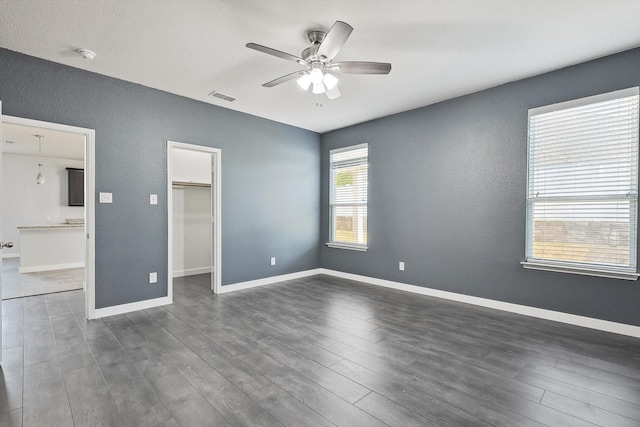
332,243
574,267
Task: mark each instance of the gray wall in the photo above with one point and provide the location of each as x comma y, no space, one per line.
270,174
447,196
447,185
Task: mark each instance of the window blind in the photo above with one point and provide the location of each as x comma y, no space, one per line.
349,176
583,182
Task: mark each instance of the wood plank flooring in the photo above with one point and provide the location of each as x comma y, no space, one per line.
318,351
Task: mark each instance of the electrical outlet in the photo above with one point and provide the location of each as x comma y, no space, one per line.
153,277
273,260
401,266
153,199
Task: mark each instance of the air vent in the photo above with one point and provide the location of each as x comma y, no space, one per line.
222,96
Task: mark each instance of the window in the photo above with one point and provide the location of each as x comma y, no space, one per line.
348,186
582,190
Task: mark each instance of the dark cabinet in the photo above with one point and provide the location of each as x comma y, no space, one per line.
76,186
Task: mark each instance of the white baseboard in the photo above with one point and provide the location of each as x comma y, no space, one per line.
268,281
192,272
5,256
557,316
50,267
133,306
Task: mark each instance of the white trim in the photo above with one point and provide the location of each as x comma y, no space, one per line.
617,94
532,265
349,148
5,256
1,233
50,267
89,202
169,225
268,280
192,271
130,307
216,189
556,316
346,246
217,216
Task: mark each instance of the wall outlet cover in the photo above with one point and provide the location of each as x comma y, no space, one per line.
153,277
153,199
401,266
273,260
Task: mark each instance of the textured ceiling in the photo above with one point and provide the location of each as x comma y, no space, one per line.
439,48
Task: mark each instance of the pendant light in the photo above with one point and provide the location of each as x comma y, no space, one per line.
40,176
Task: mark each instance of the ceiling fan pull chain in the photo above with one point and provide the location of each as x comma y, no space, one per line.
319,100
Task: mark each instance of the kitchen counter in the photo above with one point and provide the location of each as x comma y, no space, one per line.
51,247
49,226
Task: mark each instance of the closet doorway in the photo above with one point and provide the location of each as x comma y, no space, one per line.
194,213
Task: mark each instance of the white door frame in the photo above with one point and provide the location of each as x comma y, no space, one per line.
89,200
1,236
216,191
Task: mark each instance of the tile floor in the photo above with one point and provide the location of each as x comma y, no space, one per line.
16,284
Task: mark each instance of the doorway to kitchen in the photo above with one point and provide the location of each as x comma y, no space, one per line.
47,209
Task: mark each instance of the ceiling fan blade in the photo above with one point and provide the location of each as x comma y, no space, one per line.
274,52
334,40
283,79
332,93
361,67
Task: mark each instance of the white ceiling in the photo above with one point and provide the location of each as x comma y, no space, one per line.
20,139
439,48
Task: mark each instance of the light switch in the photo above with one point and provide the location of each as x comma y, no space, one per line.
106,198
153,199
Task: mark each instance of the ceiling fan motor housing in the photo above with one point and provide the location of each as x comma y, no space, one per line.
316,36
310,54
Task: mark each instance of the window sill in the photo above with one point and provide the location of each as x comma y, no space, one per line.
559,268
360,248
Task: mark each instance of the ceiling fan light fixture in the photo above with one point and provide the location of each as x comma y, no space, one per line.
304,81
317,60
318,88
316,76
330,81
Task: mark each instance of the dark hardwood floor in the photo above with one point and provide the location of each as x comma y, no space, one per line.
319,351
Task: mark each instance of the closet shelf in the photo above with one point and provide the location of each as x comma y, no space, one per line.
190,184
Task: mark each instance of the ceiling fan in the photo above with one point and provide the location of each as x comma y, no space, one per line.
317,60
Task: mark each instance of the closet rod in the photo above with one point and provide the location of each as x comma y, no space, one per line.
190,184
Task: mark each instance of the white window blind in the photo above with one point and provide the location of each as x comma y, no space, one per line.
582,185
349,176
